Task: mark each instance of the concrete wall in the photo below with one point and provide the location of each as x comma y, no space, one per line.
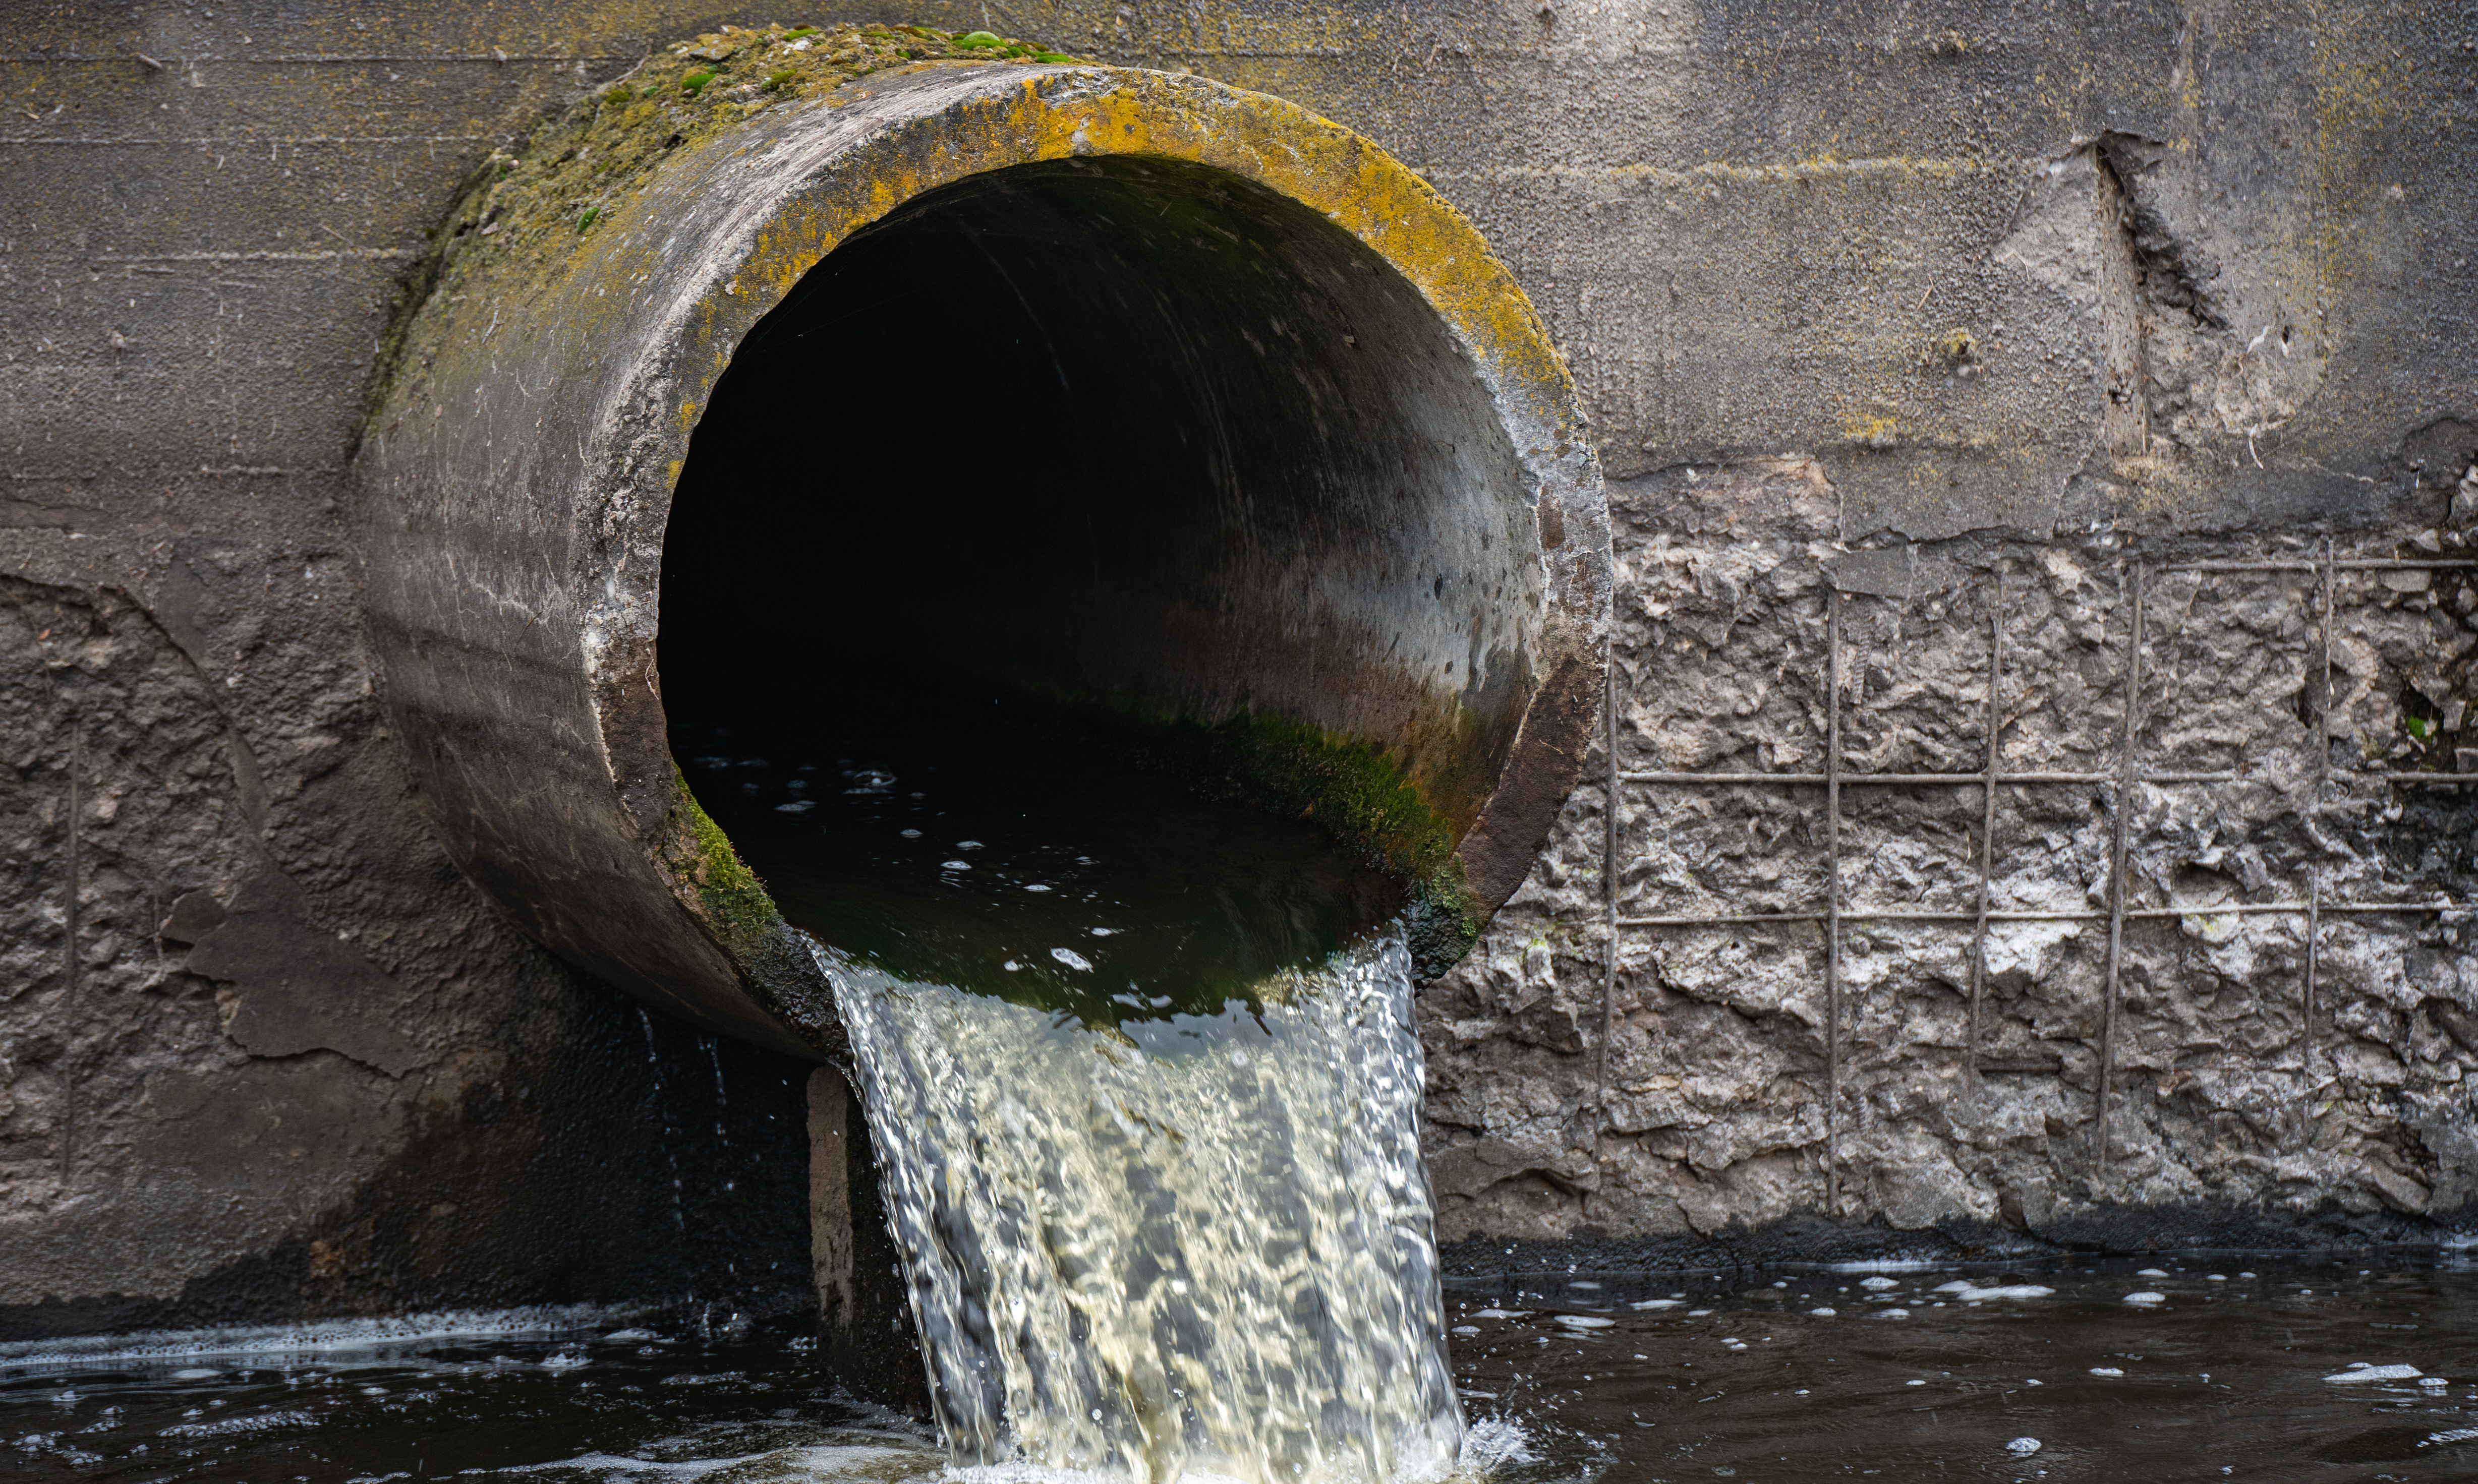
2091,281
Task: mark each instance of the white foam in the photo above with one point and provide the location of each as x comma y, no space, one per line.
1892,1314
2361,1371
2146,1298
1657,1303
2150,1272
1584,1321
2455,1435
1878,1284
265,1422
313,1338
1502,1313
2022,1448
1492,1443
818,1462
1885,1265
2106,1370
1969,1293
1822,1314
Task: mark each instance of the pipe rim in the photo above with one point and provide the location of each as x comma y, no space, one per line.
722,232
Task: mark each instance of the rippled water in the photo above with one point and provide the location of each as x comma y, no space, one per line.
2246,1377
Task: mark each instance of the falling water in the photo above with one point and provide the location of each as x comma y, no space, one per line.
1192,1246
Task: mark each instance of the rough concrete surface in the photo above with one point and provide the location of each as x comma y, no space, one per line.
2239,1109
2050,286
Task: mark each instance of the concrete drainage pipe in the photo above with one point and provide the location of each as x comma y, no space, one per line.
1130,386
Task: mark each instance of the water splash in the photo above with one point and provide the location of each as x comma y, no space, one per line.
1197,1246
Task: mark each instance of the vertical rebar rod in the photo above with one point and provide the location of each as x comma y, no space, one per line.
1609,872
1833,902
71,960
1987,824
2313,817
2117,883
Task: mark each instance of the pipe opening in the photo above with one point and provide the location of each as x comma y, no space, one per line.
1132,442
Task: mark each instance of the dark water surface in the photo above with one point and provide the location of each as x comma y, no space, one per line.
1007,859
2239,1377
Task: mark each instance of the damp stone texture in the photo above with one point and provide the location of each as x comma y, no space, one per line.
1892,303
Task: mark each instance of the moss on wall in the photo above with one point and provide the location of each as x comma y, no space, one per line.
522,214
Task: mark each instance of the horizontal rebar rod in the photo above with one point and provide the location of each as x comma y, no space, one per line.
1904,780
1896,914
1910,779
2349,564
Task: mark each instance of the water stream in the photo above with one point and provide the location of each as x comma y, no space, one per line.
1194,1245
1142,1079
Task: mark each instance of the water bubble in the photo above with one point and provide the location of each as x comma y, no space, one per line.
2216,1277
1101,932
1822,1314
912,834
955,865
1035,885
1878,1284
1012,966
1914,1383
1071,958
2146,1298
1892,1314
797,806
2106,1370
2022,1448
1584,1321
968,844
2150,1272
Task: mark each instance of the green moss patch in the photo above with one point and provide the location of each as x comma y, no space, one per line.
736,906
522,214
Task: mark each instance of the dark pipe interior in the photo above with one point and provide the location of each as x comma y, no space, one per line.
1122,433
1109,431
